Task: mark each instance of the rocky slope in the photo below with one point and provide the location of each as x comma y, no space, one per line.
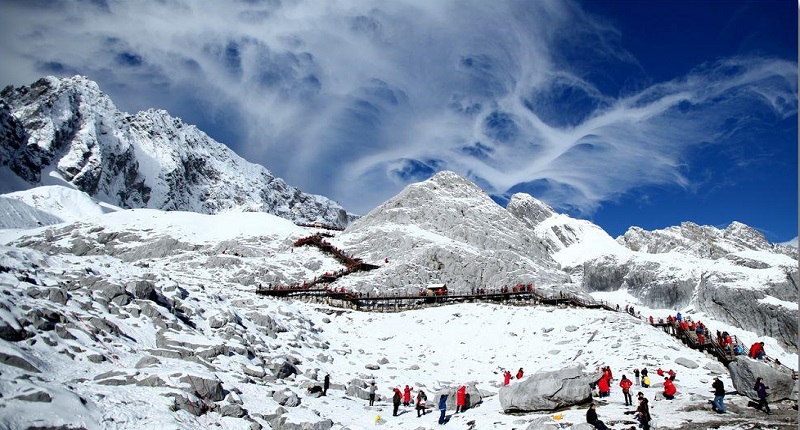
68,130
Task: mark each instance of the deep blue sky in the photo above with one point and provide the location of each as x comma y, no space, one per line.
669,38
644,113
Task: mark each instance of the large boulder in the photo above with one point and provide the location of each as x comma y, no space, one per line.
548,390
359,388
744,372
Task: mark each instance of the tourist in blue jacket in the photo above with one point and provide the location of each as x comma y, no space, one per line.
442,407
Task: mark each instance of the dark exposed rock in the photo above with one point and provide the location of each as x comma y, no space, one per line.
284,370
232,410
36,396
204,388
17,361
183,403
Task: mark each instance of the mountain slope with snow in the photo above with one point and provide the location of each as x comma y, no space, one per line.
67,130
447,230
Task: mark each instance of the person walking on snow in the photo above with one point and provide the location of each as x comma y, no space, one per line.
461,398
718,404
636,375
669,389
761,390
407,395
626,384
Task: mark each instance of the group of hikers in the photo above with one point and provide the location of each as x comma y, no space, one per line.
405,396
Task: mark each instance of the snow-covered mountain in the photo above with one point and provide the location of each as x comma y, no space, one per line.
447,230
67,130
734,275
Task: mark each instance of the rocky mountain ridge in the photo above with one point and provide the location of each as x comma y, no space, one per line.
67,130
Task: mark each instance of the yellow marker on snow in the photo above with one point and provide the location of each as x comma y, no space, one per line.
558,416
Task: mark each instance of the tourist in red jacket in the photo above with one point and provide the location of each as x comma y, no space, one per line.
626,383
407,395
757,351
506,377
604,385
669,389
461,399
520,373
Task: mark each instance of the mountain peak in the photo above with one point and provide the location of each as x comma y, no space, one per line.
147,160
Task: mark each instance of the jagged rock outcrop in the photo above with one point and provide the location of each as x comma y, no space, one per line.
745,371
548,390
145,160
734,276
699,240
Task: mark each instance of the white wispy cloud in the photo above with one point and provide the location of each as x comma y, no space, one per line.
354,99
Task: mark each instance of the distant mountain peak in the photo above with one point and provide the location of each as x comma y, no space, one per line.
146,160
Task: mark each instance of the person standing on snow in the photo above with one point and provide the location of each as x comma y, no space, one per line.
718,404
643,412
396,401
421,400
644,375
442,408
506,377
636,375
626,383
461,398
372,389
407,395
326,384
604,385
520,373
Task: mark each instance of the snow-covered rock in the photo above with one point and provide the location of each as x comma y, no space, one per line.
745,371
548,390
66,131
